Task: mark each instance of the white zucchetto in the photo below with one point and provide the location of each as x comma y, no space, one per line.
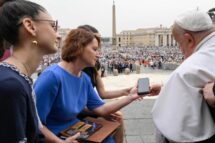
194,20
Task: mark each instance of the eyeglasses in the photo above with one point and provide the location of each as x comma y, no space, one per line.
53,23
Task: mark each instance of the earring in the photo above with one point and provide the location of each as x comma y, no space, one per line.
35,42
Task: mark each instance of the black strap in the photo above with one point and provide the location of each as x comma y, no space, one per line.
214,89
166,140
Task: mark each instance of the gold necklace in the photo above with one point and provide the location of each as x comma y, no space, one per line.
23,64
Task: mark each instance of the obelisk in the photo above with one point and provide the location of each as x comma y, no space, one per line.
114,25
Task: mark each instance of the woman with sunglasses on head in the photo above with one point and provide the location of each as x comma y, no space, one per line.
32,32
98,84
95,77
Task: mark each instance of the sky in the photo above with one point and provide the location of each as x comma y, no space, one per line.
130,14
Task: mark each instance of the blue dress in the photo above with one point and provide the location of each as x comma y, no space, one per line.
61,96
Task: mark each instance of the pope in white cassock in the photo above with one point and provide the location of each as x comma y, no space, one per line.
180,113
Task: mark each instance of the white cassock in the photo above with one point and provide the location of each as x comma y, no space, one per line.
180,113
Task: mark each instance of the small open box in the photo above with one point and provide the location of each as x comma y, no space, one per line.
91,129
84,127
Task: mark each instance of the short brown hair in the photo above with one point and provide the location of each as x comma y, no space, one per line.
75,42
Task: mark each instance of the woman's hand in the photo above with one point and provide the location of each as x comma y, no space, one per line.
154,90
134,94
117,116
72,139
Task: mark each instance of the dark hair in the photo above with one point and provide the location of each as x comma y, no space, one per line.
11,11
98,65
75,42
89,28
92,72
1,48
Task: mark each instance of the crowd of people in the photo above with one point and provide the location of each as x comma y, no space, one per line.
121,58
126,57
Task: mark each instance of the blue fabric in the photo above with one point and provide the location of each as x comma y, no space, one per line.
60,96
108,140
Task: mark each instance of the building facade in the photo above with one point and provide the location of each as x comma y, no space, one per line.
62,32
159,36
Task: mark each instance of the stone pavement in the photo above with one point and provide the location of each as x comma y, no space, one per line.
139,127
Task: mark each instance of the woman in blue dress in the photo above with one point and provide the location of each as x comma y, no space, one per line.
63,90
